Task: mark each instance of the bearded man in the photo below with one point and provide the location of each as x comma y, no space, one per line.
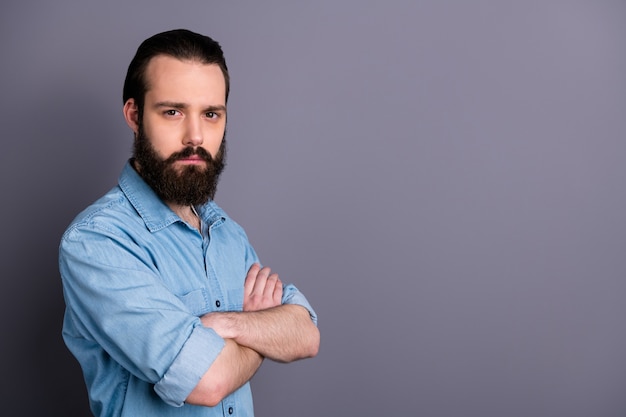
168,310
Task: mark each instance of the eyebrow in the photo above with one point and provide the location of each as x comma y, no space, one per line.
177,105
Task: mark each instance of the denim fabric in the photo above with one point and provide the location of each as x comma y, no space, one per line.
136,279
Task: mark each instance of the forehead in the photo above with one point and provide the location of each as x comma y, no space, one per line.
169,78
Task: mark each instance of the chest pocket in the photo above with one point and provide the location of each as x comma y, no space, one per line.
196,301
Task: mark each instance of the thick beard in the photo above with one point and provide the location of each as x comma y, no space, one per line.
189,185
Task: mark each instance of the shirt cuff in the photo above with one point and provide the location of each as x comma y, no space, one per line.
192,362
291,295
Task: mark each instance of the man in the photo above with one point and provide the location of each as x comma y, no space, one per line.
168,310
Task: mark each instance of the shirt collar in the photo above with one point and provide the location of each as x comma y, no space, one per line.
154,212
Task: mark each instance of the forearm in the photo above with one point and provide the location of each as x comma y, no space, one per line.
284,333
232,368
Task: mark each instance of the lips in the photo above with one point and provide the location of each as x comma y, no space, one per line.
191,158
194,159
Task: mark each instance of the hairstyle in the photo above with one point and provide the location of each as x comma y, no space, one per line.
181,44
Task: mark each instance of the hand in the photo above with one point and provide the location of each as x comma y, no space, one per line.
262,289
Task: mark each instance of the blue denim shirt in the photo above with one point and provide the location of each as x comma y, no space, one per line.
136,279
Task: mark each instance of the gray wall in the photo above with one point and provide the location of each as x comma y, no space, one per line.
444,180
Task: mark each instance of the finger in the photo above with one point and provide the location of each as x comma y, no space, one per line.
251,277
278,292
270,285
261,281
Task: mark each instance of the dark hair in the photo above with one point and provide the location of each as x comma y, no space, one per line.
181,44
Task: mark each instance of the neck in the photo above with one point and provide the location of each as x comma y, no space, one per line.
186,213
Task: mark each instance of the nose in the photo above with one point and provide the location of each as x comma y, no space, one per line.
193,134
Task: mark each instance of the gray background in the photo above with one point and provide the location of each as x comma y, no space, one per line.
443,179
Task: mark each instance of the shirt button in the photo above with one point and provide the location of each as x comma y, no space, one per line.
230,410
217,303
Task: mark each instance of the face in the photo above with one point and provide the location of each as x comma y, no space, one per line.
179,142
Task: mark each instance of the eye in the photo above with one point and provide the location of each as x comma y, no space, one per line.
211,115
171,112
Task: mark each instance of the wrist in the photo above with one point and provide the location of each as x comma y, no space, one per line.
229,325
224,324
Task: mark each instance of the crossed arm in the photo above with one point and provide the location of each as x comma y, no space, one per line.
264,329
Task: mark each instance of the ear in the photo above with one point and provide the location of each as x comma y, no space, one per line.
131,114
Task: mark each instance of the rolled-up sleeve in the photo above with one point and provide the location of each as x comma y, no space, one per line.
196,356
291,295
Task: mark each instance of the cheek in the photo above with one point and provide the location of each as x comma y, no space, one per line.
163,145
213,141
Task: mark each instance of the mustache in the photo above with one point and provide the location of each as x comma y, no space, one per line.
187,152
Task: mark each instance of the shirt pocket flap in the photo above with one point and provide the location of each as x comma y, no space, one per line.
196,301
